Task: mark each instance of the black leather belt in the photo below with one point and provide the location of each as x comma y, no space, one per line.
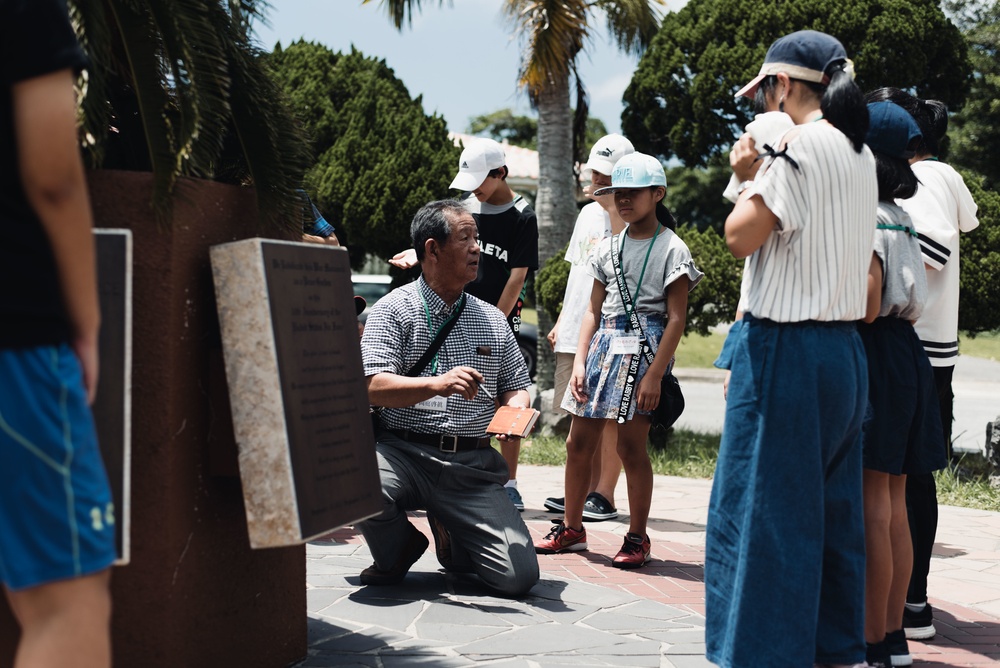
443,442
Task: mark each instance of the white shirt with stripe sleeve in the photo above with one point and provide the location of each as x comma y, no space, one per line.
814,265
941,208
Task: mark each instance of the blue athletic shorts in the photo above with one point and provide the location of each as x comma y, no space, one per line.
56,514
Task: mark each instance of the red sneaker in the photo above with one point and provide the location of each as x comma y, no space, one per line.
634,552
562,539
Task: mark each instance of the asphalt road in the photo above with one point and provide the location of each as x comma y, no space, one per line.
977,400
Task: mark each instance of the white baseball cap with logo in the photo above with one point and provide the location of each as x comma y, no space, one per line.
607,150
478,158
636,170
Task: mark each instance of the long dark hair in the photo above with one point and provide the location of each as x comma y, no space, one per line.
896,179
841,102
931,116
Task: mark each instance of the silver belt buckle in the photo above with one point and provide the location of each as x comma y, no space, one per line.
444,439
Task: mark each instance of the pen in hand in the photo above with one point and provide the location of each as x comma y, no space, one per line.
484,390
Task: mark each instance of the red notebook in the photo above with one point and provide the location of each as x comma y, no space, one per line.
512,421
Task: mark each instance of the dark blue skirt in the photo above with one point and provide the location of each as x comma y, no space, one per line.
902,431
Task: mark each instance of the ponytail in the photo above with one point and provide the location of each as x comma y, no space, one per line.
931,116
843,105
664,217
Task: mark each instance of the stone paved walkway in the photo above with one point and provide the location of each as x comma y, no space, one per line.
585,613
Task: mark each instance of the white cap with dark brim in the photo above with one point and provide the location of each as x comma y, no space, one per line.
477,160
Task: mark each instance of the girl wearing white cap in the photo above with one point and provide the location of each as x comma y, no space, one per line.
623,329
785,530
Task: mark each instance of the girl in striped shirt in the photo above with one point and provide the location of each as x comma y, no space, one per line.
785,530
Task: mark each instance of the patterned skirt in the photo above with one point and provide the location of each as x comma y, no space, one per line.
606,372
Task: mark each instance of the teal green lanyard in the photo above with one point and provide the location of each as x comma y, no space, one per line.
430,325
638,284
899,228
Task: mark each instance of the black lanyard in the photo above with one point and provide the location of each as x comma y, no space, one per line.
633,324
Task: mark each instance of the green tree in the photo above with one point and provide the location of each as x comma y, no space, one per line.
694,194
379,157
680,101
177,87
503,125
975,130
553,34
979,303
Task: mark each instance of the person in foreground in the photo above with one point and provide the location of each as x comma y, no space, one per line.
628,337
785,530
902,432
56,514
432,447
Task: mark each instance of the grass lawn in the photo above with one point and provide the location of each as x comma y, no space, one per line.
985,345
691,454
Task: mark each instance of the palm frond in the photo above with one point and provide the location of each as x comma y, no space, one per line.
553,32
272,141
401,10
92,24
135,28
632,23
194,52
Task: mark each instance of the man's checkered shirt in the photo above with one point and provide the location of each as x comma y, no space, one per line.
397,335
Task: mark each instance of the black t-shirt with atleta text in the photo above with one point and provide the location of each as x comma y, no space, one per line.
508,238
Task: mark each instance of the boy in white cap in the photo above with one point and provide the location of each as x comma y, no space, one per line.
597,221
508,238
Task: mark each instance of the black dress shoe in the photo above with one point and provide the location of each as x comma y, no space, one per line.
414,547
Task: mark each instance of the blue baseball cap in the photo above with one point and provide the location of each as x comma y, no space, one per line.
804,55
891,130
635,170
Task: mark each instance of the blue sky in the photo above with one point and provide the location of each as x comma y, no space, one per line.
460,57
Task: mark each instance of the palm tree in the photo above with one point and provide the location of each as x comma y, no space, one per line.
177,87
553,34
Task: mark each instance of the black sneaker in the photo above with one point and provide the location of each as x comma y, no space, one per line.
598,509
899,651
919,625
556,505
878,655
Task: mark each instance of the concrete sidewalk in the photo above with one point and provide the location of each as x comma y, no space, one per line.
586,613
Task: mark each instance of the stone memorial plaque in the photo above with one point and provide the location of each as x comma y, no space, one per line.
112,405
296,387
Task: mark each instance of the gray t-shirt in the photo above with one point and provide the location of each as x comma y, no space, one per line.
669,259
904,280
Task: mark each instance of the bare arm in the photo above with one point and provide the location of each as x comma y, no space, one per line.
329,241
874,289
406,259
394,391
52,173
648,395
750,221
511,291
748,225
588,327
553,334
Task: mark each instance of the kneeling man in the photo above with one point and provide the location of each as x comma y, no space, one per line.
433,451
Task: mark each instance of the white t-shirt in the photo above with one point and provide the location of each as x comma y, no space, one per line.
814,265
592,225
941,208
